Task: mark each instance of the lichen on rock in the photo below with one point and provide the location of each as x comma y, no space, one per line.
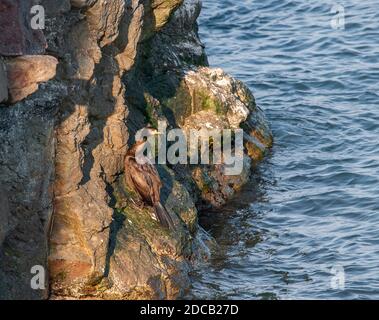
162,10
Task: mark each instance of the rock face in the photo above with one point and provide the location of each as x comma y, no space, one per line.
82,3
65,204
4,215
27,151
3,83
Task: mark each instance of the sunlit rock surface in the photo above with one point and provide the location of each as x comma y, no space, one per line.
25,73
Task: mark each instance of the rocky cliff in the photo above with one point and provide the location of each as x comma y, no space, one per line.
72,96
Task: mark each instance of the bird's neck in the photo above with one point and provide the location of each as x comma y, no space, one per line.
137,148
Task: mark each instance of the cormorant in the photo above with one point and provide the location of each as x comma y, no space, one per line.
145,180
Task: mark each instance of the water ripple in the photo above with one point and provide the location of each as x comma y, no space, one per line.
313,205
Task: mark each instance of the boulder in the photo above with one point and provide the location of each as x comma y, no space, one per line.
218,101
26,72
214,100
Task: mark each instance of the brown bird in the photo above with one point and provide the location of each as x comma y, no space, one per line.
144,178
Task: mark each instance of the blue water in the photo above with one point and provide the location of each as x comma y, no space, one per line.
313,204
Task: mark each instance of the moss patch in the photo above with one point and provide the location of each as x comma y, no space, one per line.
205,102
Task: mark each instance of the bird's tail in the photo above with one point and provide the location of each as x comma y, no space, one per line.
163,216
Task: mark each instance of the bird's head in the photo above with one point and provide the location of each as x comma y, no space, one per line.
147,133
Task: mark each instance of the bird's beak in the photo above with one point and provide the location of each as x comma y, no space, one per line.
158,134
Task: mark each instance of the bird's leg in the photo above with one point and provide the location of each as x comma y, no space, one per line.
132,201
137,203
153,216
